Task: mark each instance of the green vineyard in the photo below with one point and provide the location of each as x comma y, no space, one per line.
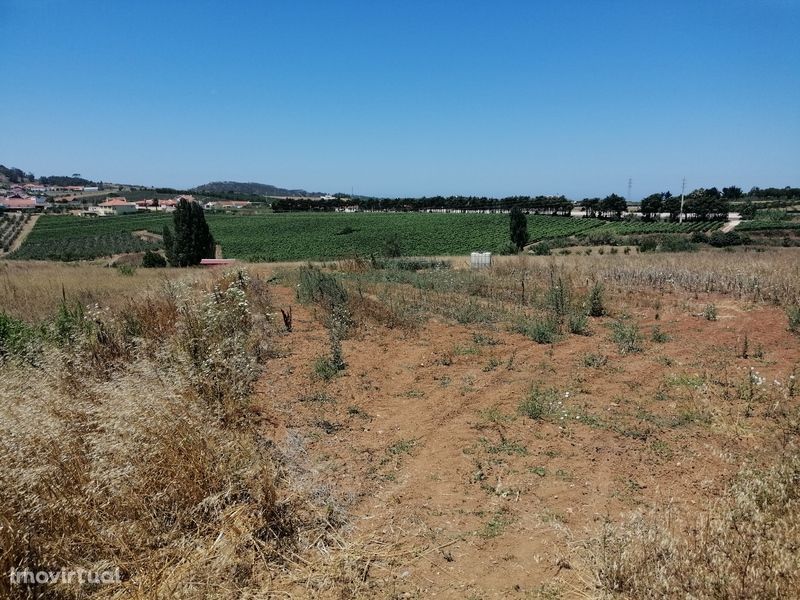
319,236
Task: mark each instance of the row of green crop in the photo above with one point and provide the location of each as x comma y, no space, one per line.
310,236
50,227
10,227
643,227
767,225
82,248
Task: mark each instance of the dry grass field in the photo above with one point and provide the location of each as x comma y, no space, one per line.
615,426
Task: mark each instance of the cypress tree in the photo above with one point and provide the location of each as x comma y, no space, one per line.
193,240
169,246
519,227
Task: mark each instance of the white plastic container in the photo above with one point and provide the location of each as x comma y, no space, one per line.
479,260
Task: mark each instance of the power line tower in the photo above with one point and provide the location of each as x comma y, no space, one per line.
683,189
630,183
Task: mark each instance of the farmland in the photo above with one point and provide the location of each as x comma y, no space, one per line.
766,225
73,238
10,227
525,431
313,236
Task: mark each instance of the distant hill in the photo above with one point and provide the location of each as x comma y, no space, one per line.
262,189
14,175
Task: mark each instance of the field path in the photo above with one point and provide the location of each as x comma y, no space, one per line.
730,225
23,234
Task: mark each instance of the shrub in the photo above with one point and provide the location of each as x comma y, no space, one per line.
596,307
541,331
718,239
675,243
126,270
710,312
647,244
541,249
658,336
217,338
595,360
698,237
16,337
793,314
320,288
540,403
153,260
578,324
558,297
626,336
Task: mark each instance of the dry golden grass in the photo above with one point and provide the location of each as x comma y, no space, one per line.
131,443
33,290
746,546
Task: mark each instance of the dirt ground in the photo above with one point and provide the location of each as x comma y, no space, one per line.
424,451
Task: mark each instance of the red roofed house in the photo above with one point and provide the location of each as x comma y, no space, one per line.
116,206
18,202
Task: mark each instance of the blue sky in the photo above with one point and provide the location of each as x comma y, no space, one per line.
395,98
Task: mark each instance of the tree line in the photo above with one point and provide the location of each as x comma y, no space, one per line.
547,205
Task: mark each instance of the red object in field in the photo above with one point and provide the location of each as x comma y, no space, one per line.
216,262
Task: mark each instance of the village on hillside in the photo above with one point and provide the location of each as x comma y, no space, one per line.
84,201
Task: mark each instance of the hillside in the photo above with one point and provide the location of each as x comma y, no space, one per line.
262,189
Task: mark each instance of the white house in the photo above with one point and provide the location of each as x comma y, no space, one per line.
115,206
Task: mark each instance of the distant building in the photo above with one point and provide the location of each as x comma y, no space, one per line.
115,206
226,204
18,202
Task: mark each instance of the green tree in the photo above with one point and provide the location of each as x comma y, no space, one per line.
169,246
613,206
654,204
748,211
193,240
732,192
519,227
153,260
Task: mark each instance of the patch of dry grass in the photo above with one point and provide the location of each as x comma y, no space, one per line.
130,443
746,546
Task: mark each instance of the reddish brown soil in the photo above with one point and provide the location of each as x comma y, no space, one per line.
424,445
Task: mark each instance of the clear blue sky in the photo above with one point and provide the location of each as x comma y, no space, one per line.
407,97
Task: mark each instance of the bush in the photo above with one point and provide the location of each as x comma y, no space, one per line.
541,249
126,270
320,288
675,243
626,336
153,260
540,403
541,331
698,237
16,337
506,249
710,312
596,307
719,239
793,314
578,324
658,336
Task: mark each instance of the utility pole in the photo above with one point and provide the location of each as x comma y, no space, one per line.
683,189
